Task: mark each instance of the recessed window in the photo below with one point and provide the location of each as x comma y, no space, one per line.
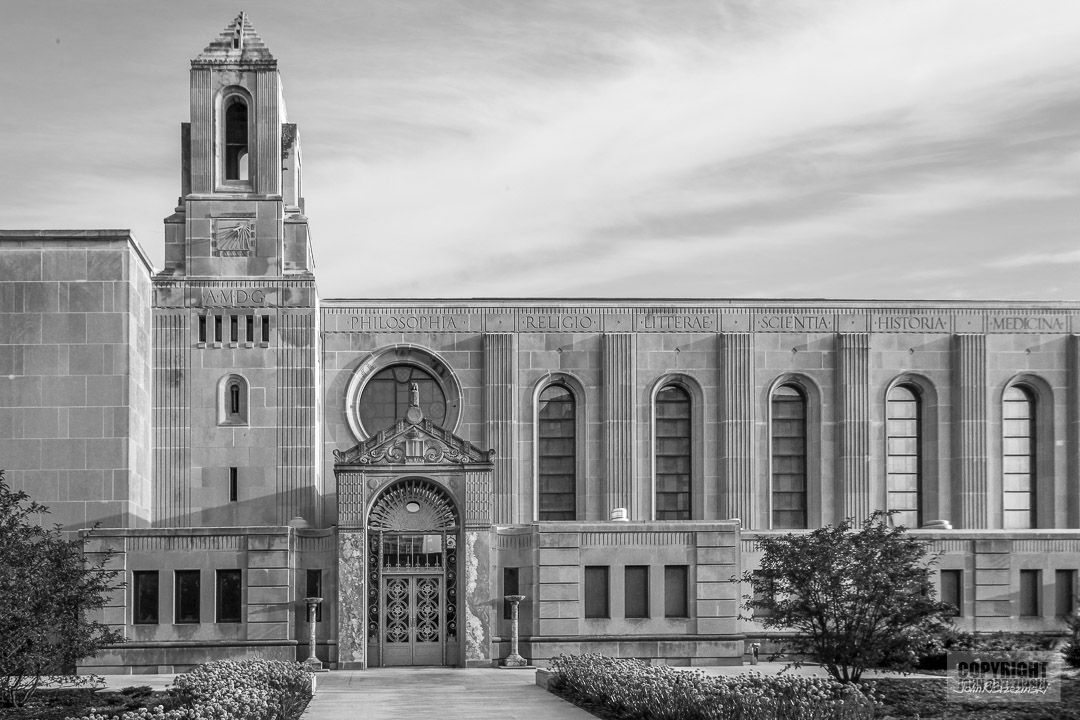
236,139
904,455
187,596
1018,457
202,328
675,591
145,593
387,394
952,590
788,457
636,591
557,454
234,483
229,596
672,453
266,328
233,403
234,328
217,328
1030,593
596,592
250,335
1064,592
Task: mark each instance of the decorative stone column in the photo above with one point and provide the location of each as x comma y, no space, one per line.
500,411
313,664
969,431
853,407
514,659
618,378
737,489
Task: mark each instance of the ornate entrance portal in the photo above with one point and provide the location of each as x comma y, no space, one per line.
412,576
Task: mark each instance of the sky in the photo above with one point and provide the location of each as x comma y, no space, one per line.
926,149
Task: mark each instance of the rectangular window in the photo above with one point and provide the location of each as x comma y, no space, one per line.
314,589
510,587
1064,592
202,328
217,328
250,336
233,484
266,328
952,590
636,591
234,328
596,591
187,596
146,597
675,585
229,596
1030,585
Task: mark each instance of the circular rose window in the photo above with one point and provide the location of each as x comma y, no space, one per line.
385,397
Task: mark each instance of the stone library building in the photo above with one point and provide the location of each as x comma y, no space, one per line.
244,444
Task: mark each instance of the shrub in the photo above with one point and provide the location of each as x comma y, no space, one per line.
232,690
1071,651
633,689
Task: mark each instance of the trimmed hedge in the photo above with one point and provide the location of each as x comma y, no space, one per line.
232,690
634,690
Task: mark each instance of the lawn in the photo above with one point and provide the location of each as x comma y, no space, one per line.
910,698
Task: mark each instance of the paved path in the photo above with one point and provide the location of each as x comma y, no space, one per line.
440,693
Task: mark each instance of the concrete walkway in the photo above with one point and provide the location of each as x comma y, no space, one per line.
441,693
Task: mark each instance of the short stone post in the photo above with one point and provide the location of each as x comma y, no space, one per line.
313,663
513,659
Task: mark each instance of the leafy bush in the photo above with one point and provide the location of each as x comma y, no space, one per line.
232,690
634,690
1071,651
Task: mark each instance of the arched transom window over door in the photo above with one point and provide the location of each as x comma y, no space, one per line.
1018,457
673,453
788,458
556,418
903,426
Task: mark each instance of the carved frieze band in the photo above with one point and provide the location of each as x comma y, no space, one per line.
500,380
737,428
619,380
701,319
478,499
624,539
969,431
350,499
853,400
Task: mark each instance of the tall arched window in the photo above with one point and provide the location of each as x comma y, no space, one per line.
673,453
788,458
556,418
236,139
903,463
1018,456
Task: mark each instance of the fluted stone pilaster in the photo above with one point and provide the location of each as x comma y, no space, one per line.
1072,435
738,498
969,431
500,378
853,408
267,135
202,124
618,412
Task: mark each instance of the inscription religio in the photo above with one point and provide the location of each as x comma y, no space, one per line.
233,297
558,322
677,322
777,322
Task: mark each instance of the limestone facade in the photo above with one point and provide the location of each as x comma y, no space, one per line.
246,444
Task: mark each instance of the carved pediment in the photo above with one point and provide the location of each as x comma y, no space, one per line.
414,443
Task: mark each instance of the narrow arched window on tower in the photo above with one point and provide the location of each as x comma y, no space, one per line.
234,398
236,139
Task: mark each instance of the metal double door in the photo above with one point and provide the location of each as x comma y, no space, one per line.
413,611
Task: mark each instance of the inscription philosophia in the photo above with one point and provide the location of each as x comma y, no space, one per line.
404,323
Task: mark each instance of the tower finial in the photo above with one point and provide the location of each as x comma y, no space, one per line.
238,31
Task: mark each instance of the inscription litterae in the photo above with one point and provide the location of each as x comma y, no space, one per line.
1027,323
795,323
664,322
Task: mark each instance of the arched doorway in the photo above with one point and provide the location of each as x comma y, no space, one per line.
412,598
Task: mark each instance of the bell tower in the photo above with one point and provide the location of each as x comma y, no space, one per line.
235,308
240,211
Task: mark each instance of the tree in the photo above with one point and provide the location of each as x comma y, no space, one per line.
47,590
856,598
